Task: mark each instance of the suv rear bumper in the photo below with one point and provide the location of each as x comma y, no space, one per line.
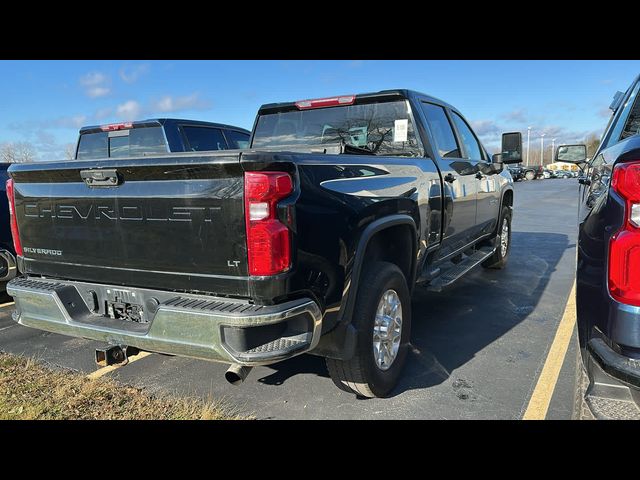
614,383
197,326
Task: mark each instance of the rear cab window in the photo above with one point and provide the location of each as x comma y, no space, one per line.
133,142
382,128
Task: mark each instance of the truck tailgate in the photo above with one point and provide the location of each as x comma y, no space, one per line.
170,222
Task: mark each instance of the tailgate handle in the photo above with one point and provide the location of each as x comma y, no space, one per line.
100,178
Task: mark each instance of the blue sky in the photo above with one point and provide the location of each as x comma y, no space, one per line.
45,102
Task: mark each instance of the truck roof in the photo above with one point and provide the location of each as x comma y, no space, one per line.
164,121
398,93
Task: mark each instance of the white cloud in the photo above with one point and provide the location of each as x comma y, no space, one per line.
95,84
103,113
95,92
604,112
170,103
129,110
131,73
518,116
485,128
93,78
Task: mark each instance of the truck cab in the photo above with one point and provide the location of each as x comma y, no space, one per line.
156,137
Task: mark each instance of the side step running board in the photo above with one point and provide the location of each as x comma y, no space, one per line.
460,269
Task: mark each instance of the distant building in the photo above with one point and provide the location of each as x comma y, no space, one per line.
563,166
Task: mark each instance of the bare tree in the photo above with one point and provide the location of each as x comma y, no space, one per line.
17,152
592,142
70,151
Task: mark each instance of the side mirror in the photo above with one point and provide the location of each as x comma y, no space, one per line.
571,154
511,148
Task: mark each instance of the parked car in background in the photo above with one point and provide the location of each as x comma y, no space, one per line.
548,173
526,172
517,172
564,174
157,136
608,263
310,241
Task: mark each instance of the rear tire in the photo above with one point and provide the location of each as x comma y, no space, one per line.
501,255
367,374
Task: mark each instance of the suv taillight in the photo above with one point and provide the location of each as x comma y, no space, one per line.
624,246
12,213
268,239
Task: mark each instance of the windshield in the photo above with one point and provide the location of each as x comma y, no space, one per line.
380,128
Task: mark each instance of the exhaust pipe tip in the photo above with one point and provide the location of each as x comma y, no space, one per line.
236,374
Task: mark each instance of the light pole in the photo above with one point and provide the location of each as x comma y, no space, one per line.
528,137
542,149
553,148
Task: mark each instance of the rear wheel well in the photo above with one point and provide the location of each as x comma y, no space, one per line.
395,245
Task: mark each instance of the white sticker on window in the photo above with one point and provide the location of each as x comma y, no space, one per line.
400,130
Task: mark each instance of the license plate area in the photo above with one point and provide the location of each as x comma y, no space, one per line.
126,305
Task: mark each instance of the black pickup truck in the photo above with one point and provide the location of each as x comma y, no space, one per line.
311,240
157,136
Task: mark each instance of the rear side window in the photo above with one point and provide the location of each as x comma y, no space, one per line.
134,142
204,138
468,138
237,139
441,130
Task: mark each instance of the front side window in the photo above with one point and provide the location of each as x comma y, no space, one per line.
467,137
383,128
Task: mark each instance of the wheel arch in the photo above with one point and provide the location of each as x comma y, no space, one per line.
373,236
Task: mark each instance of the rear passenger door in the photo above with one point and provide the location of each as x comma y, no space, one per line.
460,183
488,196
200,139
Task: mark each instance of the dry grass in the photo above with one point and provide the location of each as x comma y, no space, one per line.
30,390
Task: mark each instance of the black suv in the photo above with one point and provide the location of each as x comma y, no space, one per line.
608,264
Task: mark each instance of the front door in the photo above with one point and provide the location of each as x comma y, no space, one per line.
488,193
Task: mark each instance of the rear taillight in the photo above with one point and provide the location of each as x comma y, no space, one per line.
268,239
624,246
12,213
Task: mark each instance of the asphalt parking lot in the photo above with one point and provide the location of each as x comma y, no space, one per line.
478,347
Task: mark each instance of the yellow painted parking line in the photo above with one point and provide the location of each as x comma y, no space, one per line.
7,304
541,397
110,368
